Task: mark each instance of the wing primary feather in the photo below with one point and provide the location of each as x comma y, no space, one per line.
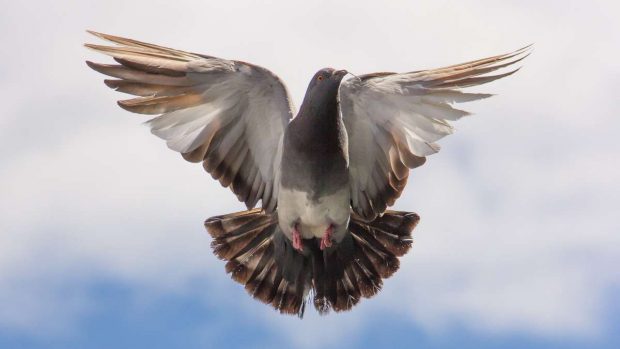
135,43
468,82
160,104
122,72
151,68
145,89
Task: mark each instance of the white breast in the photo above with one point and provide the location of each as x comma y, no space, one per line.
313,216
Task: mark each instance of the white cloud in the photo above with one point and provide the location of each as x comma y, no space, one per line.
518,231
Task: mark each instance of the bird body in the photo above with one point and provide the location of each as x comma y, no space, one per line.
324,178
314,190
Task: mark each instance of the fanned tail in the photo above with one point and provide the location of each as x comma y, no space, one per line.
247,240
357,267
262,259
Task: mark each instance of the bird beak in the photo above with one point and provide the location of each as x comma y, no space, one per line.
339,74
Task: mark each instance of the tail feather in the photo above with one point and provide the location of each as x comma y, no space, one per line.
247,240
392,230
262,259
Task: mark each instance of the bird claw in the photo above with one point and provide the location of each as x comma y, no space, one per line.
326,240
297,242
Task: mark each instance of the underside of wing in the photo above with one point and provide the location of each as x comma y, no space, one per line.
394,119
229,115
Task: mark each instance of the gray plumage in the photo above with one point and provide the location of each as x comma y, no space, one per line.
313,190
315,141
324,178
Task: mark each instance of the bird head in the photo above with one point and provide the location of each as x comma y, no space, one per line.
323,88
326,79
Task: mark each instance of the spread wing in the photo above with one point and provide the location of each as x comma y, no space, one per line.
229,115
393,120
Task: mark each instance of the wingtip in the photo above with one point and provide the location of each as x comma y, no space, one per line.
525,48
524,51
107,37
503,75
530,49
96,47
92,47
113,84
96,33
124,105
95,66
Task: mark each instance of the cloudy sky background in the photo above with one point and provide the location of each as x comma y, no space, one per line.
101,237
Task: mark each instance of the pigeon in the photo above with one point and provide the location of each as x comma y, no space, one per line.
325,176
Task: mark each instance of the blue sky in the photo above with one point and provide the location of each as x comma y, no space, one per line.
186,321
101,236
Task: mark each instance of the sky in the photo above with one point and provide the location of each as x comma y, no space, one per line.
101,237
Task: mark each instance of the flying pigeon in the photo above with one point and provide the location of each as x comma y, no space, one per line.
324,175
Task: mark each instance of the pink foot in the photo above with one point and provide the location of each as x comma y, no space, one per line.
297,244
326,240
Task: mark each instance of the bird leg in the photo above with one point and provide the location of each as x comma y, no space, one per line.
326,240
297,243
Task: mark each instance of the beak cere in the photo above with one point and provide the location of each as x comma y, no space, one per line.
340,73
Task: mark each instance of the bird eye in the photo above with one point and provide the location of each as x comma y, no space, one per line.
320,78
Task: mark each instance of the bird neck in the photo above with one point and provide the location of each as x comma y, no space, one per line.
319,129
324,113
